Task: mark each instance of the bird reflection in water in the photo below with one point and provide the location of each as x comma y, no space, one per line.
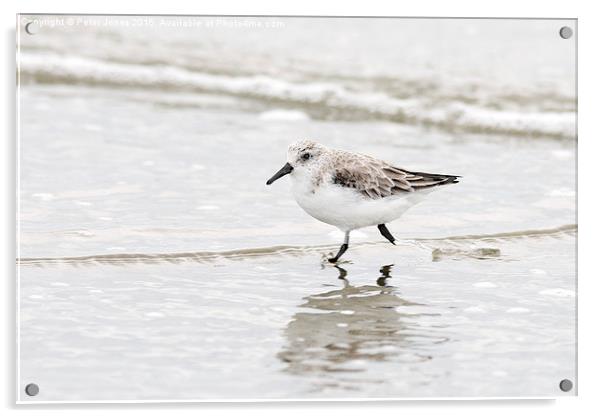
345,332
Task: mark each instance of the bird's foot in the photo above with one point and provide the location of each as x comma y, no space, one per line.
339,254
331,259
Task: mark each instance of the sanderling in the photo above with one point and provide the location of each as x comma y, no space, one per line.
351,190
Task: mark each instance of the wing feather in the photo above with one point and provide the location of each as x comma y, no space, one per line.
377,179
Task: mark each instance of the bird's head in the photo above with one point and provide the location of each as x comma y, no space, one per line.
302,158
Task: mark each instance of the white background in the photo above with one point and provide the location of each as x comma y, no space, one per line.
588,403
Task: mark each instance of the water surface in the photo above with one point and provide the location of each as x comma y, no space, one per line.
156,264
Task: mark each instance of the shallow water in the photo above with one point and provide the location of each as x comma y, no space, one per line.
156,264
285,325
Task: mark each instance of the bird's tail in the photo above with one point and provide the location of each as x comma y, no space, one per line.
420,180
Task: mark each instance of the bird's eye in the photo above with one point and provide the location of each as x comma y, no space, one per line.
306,156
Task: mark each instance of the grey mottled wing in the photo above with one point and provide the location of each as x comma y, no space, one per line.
376,179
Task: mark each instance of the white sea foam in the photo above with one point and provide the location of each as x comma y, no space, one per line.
474,309
485,285
333,97
558,292
518,310
43,196
562,192
82,203
207,207
283,115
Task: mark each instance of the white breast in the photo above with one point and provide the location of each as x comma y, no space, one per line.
348,209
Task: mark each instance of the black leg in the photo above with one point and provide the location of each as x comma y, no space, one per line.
339,254
385,233
341,250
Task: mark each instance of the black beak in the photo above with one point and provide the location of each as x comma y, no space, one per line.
282,172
